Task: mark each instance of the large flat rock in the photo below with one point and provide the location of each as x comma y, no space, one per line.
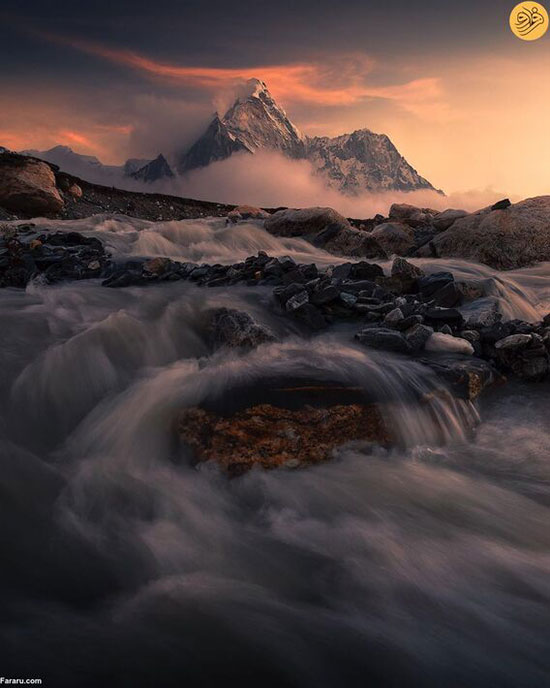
505,239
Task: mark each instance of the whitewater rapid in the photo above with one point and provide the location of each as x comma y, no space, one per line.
426,565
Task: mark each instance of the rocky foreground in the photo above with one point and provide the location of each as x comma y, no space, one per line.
402,310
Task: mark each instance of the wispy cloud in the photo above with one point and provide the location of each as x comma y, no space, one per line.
342,81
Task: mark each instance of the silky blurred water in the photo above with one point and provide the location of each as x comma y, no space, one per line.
123,565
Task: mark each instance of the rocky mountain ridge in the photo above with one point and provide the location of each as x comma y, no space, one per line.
351,163
362,161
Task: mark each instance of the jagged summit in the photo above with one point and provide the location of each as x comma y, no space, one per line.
352,163
254,122
217,143
253,88
154,171
259,122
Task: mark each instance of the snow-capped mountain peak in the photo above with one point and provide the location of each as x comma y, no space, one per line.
352,163
253,88
258,121
363,161
254,122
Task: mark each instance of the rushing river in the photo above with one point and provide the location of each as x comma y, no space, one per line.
122,565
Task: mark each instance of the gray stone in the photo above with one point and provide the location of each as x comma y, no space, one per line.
445,219
418,335
384,338
394,237
233,328
393,317
296,301
348,299
513,342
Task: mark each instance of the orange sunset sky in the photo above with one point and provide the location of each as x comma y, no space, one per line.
464,100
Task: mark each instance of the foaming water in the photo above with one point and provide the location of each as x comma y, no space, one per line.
427,564
210,240
523,293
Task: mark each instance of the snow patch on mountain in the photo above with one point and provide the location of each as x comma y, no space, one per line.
363,161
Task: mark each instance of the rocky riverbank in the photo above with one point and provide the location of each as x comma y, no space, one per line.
451,326
504,235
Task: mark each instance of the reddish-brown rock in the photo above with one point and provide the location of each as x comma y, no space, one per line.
272,437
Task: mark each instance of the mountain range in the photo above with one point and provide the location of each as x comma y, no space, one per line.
353,163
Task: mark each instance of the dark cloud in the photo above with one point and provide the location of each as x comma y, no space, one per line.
234,33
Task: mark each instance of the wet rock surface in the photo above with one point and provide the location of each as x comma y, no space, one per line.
407,311
325,228
467,377
297,425
247,212
56,256
394,237
236,329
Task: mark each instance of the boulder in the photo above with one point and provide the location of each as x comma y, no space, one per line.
445,219
384,338
404,276
74,191
501,205
27,186
484,315
157,266
280,423
393,318
304,221
357,271
418,335
444,316
430,284
448,296
402,268
234,328
467,377
473,289
247,212
299,299
514,342
349,242
525,355
411,215
394,237
439,341
325,295
513,237
325,228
